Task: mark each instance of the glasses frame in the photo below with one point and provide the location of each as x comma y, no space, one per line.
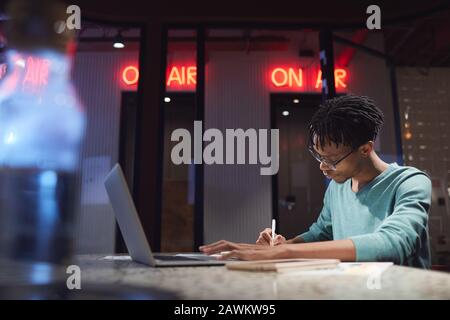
330,164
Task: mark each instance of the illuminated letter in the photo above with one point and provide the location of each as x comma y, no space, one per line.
36,73
319,79
174,76
192,75
132,79
274,79
296,77
339,77
183,75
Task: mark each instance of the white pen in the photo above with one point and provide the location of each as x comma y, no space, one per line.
273,231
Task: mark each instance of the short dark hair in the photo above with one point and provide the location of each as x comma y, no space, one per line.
349,120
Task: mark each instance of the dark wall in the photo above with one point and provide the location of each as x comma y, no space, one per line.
318,13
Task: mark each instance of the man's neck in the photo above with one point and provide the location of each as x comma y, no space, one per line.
374,167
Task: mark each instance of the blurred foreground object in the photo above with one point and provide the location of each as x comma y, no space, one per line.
41,131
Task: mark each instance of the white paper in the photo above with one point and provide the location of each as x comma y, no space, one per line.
126,258
350,268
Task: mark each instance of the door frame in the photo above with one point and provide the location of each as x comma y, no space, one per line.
273,125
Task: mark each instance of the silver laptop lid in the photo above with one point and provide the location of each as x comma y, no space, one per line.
127,217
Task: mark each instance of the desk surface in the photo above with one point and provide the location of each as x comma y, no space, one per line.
219,283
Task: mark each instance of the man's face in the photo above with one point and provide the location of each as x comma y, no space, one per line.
346,168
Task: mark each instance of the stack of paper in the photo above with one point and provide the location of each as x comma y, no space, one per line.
282,265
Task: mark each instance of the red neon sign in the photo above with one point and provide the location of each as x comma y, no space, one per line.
293,79
290,77
340,76
36,74
181,77
130,75
184,78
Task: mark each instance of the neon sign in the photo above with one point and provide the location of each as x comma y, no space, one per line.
184,78
181,77
340,76
290,77
36,74
130,75
294,78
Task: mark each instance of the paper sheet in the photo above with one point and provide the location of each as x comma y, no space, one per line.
351,268
123,258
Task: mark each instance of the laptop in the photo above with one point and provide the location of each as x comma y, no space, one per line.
133,233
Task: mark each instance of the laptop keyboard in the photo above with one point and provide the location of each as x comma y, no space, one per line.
182,258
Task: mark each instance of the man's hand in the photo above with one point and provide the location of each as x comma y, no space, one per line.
265,238
343,250
224,245
263,253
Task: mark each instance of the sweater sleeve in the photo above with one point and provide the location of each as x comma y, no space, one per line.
321,230
403,232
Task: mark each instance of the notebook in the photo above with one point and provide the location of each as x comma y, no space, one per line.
283,265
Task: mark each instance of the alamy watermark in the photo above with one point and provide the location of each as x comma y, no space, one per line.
374,20
235,140
73,20
74,279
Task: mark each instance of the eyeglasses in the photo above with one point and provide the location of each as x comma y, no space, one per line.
330,164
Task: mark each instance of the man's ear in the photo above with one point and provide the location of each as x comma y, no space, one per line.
366,148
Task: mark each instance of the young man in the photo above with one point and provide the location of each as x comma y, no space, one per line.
373,211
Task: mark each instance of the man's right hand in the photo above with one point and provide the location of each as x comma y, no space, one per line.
265,238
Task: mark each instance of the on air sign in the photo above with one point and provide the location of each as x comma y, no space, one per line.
297,79
280,78
181,78
178,77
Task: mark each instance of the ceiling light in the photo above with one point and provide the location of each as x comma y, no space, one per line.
118,41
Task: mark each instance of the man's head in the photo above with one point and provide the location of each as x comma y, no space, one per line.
342,134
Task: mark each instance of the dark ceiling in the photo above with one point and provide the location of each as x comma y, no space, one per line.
423,42
313,13
417,33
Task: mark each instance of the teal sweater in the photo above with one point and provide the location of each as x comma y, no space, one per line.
387,219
